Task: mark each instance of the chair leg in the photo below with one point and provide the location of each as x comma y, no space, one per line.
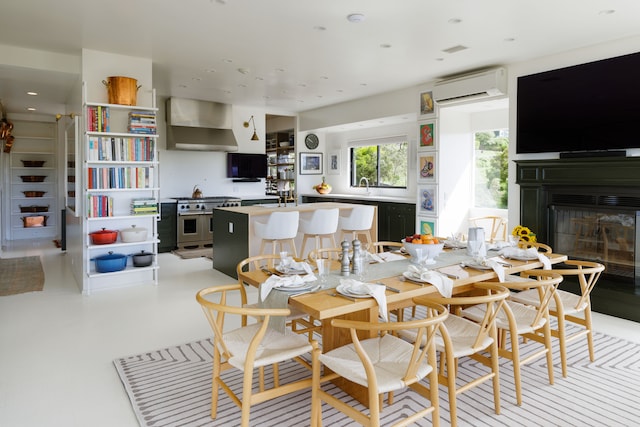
451,386
515,359
562,338
246,397
304,244
293,247
495,367
215,387
262,245
548,346
587,321
316,403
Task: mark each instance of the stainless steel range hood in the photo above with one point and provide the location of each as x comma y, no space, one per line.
199,125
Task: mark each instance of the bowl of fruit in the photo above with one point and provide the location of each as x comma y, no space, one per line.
323,187
423,248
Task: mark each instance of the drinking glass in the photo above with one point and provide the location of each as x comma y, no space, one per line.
324,267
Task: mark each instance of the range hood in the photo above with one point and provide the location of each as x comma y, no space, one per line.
199,125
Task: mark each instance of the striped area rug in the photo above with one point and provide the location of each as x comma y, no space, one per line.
172,387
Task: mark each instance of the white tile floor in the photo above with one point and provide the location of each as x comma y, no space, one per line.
57,346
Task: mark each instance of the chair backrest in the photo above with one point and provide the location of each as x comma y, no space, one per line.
545,281
280,225
327,253
588,273
379,247
541,247
423,345
216,305
359,218
496,226
493,296
257,262
322,221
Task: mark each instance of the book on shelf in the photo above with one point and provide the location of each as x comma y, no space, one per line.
119,177
98,119
99,206
144,206
121,149
143,122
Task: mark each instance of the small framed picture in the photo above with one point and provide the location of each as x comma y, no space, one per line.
427,225
310,163
427,105
427,136
427,166
428,199
333,163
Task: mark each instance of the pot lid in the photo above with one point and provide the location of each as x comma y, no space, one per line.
104,231
110,256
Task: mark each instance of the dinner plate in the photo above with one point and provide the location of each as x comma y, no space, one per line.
477,266
289,271
295,288
449,244
344,290
521,258
413,277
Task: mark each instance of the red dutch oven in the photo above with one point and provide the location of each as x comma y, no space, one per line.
103,237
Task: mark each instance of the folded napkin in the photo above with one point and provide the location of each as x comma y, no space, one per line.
495,266
442,283
386,257
283,281
291,265
531,253
376,291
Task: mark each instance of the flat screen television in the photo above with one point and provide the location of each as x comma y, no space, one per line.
246,166
588,107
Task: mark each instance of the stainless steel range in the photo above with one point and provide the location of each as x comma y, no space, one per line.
195,226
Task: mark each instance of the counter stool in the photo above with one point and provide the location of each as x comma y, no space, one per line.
281,227
322,224
358,221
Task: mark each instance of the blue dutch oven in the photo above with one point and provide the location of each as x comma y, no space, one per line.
110,262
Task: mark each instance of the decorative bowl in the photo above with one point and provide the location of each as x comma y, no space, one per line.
324,190
423,253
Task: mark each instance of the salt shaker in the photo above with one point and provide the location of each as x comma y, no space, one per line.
344,267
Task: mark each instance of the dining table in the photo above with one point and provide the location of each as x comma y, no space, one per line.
325,303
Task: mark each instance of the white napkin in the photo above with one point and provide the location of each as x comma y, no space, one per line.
386,257
292,265
527,253
495,266
376,291
546,262
283,281
442,283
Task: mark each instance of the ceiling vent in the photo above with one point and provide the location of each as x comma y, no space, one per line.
483,84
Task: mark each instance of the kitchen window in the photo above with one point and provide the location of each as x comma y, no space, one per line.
382,162
491,168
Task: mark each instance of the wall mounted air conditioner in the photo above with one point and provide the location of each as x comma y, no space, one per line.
472,86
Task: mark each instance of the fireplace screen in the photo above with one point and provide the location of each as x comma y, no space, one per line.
603,236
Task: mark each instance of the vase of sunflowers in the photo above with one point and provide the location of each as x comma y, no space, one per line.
523,234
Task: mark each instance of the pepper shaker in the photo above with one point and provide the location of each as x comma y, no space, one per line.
356,262
344,267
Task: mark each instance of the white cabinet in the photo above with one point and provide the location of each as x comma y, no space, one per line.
120,189
32,178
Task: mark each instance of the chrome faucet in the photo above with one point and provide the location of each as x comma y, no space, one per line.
366,181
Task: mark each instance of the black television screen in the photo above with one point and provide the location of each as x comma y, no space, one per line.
245,165
588,107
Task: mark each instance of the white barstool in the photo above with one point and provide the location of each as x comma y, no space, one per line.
322,224
358,221
280,228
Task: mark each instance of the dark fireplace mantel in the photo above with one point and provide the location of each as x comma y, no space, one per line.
557,192
604,179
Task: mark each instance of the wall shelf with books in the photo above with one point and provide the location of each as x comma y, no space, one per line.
120,188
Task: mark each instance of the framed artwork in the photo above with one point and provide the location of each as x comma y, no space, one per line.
333,163
427,104
310,163
427,166
427,135
428,199
427,226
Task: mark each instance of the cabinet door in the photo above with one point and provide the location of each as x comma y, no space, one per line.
168,227
397,220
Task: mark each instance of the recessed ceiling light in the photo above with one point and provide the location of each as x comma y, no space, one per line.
454,49
439,59
606,12
454,21
363,84
280,70
242,85
227,60
31,109
228,92
319,28
302,85
339,91
355,17
324,77
244,70
211,70
385,45
510,39
259,78
32,93
182,86
196,79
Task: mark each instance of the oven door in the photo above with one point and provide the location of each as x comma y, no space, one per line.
189,228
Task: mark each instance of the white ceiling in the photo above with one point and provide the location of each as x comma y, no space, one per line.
297,54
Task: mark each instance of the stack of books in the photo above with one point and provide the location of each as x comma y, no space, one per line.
143,122
99,206
98,119
147,206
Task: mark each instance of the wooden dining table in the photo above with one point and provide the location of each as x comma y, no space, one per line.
326,304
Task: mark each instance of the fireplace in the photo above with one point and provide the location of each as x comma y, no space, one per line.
605,233
586,208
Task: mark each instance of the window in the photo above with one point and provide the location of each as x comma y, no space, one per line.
383,164
491,169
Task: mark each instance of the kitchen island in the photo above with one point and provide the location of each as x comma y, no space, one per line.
234,238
